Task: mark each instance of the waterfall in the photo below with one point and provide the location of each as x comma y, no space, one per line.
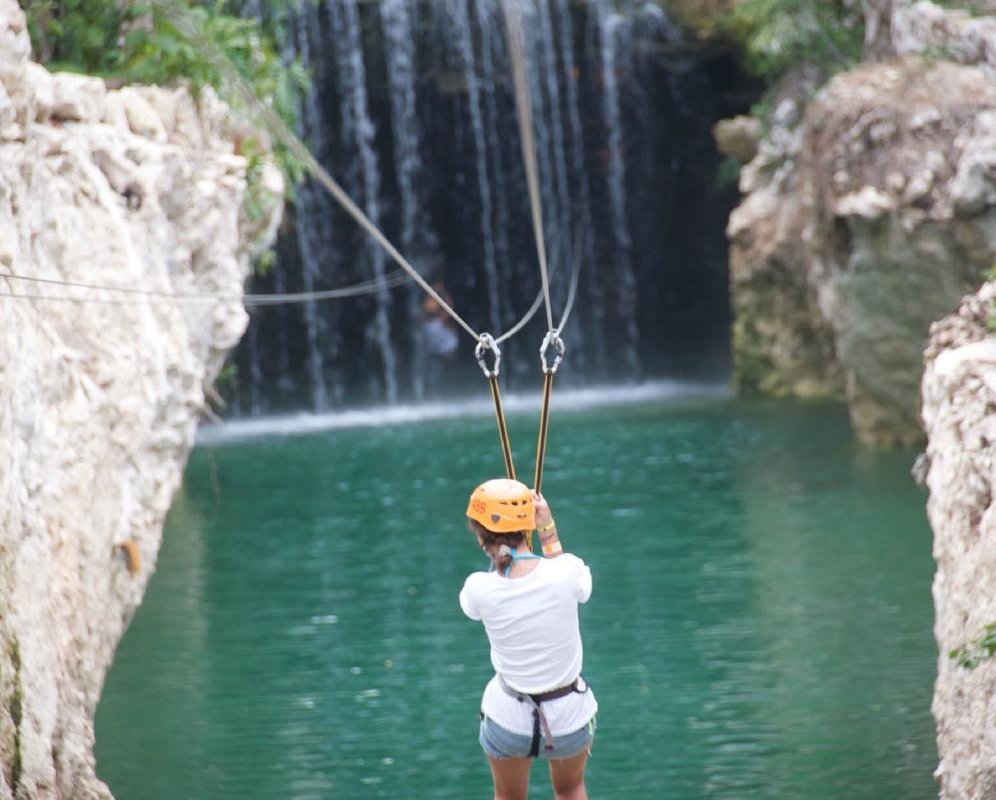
623,290
399,46
411,108
311,202
358,127
581,220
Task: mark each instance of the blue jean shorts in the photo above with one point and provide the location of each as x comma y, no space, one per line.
499,742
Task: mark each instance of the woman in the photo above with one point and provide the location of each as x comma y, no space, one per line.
537,704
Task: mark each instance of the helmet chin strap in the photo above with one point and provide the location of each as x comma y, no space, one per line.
506,550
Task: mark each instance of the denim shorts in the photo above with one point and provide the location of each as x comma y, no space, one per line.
498,742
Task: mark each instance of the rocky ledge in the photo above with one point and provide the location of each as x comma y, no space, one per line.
869,211
959,416
100,391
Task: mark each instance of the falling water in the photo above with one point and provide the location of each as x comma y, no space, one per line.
411,108
310,203
400,52
610,25
582,223
357,125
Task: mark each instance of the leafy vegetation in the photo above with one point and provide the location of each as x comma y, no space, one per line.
137,42
975,652
780,34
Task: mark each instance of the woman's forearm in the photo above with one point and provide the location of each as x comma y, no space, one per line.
550,540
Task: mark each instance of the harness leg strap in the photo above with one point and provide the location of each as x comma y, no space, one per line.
534,747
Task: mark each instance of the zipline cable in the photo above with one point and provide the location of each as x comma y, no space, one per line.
390,281
573,289
531,312
513,28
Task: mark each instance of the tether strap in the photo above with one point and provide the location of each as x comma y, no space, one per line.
544,427
506,446
552,339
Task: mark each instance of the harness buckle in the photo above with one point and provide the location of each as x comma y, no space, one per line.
552,338
486,343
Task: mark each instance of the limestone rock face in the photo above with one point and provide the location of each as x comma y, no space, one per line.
954,35
100,391
738,137
867,214
959,416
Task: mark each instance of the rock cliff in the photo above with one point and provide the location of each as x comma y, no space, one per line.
959,416
869,210
100,391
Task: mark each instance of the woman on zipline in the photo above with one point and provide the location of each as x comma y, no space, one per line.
537,704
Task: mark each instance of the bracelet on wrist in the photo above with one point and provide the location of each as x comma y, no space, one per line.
548,527
553,549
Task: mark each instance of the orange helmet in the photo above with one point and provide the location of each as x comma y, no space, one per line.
502,506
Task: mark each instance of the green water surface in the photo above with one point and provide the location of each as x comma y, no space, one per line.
760,625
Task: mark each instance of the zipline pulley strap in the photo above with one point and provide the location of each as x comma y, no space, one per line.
487,344
506,445
552,339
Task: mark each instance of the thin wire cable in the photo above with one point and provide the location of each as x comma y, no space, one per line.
518,326
163,298
276,126
516,51
573,290
392,280
530,313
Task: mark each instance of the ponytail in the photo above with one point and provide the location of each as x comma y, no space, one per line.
504,559
499,547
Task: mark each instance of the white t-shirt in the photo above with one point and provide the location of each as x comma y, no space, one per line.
532,624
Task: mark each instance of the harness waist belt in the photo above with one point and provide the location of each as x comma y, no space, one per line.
553,694
536,701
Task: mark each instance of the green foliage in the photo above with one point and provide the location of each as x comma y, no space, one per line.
138,42
135,41
728,173
780,34
76,32
970,655
266,262
227,379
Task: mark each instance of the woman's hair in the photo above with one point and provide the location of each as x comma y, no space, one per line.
501,556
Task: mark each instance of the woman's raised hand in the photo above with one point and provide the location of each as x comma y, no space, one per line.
546,527
543,515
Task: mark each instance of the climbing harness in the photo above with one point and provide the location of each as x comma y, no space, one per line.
579,686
